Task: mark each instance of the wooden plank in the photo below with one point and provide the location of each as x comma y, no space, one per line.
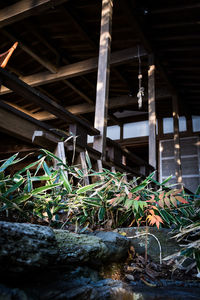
177,150
101,109
152,112
80,68
83,108
29,93
23,9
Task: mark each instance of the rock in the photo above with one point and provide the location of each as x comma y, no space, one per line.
29,246
117,244
10,294
96,247
25,246
168,246
129,277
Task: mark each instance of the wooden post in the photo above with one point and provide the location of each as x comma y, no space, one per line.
152,112
60,153
84,167
177,150
102,92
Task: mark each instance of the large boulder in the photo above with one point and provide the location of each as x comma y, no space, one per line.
94,248
25,246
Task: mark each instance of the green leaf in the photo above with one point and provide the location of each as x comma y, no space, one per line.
29,166
45,188
139,187
92,203
8,162
101,214
87,188
66,182
29,182
136,205
40,178
88,160
166,180
13,188
52,156
46,169
22,198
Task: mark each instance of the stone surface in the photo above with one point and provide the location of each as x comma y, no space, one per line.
168,246
24,246
95,248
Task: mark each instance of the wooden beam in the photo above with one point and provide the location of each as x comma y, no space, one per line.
173,9
80,68
29,51
22,126
84,108
23,9
152,112
101,108
42,100
177,149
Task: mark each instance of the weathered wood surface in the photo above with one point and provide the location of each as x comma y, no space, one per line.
103,75
31,94
23,9
79,68
152,112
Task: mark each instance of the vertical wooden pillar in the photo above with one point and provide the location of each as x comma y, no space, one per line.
101,108
152,112
177,149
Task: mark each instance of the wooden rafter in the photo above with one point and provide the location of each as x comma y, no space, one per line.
24,90
80,68
84,108
23,9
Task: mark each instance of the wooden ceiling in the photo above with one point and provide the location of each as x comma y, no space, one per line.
56,35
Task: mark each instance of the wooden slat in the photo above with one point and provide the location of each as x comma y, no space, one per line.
101,109
152,112
29,93
80,68
23,9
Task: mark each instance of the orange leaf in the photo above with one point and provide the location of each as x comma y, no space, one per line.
161,203
181,199
159,219
130,195
177,192
111,201
173,200
167,202
137,198
161,195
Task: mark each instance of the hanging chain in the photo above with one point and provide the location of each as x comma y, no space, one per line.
140,93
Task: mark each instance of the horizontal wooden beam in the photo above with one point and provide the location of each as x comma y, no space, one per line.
80,68
23,9
22,126
84,108
32,95
173,9
30,52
